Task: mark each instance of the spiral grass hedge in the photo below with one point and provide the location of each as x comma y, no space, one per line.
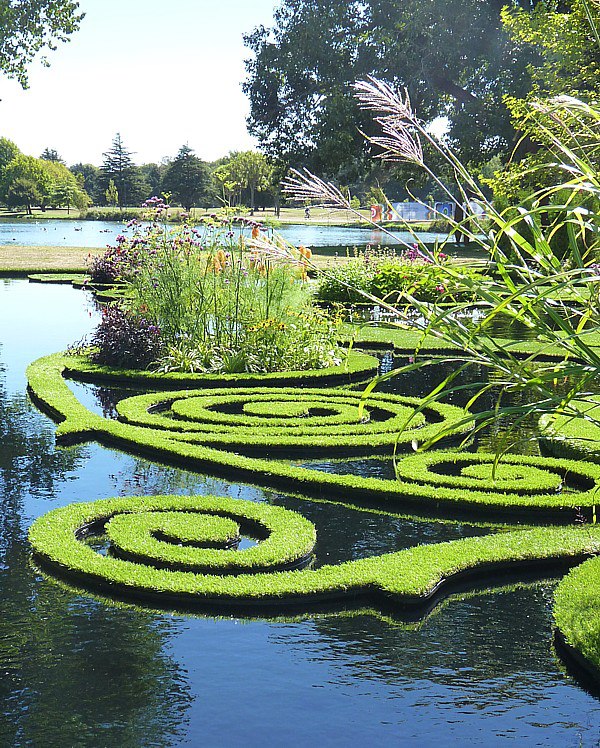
406,341
516,474
290,421
188,575
574,438
577,615
578,494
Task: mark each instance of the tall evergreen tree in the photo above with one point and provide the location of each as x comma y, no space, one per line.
118,165
51,154
186,178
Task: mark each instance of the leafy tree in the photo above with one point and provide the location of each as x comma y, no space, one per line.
453,56
186,177
228,188
31,26
23,193
88,177
567,62
61,188
565,38
112,194
277,172
246,170
66,193
152,175
26,170
118,165
8,151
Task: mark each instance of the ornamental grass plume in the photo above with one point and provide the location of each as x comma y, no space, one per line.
529,280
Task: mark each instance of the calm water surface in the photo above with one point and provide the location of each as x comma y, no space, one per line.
64,233
76,670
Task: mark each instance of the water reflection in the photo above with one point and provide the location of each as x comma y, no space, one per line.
81,671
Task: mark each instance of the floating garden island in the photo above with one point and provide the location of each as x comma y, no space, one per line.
257,426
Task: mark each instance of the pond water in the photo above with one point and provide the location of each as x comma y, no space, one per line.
65,233
77,670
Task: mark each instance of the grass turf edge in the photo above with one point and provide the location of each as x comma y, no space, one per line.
407,578
50,392
357,366
577,616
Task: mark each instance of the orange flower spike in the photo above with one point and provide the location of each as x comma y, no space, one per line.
255,232
307,253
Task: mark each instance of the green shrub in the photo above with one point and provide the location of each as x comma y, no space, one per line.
124,338
346,282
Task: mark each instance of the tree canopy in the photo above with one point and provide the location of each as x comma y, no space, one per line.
119,167
186,177
454,57
26,181
567,63
28,27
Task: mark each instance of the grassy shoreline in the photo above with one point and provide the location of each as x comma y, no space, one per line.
19,260
318,216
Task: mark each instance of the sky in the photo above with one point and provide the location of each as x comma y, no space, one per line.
161,75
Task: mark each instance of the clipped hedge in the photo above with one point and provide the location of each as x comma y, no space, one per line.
407,341
577,615
407,578
514,474
50,391
337,424
573,438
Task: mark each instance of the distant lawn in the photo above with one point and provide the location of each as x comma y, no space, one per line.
44,258
58,259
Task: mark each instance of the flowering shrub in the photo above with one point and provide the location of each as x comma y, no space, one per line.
221,302
419,278
347,282
126,339
116,263
296,341
387,276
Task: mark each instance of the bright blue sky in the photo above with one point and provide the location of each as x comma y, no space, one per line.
161,75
